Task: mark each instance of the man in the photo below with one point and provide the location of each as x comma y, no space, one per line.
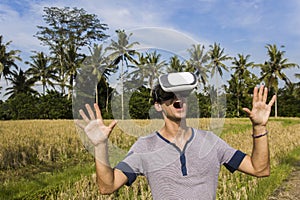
178,161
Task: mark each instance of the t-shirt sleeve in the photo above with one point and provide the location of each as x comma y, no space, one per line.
230,157
131,165
235,161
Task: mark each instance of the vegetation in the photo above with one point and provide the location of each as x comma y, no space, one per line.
46,159
71,32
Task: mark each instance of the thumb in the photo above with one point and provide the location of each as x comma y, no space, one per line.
247,110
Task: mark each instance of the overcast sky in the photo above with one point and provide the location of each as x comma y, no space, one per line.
240,26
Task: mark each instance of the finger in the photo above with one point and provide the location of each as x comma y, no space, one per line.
265,96
260,93
90,111
255,98
98,112
83,115
112,124
272,100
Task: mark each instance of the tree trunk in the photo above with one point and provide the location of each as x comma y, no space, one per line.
122,91
276,106
97,101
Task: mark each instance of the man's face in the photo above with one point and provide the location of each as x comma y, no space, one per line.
175,108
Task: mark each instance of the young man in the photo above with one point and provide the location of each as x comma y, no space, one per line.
178,161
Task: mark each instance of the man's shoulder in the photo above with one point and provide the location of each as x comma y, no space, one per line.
146,143
206,136
204,133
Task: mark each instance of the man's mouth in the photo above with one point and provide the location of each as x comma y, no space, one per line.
178,104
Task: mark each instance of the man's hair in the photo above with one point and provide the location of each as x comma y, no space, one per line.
159,95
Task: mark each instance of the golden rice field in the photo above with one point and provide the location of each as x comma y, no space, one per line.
41,148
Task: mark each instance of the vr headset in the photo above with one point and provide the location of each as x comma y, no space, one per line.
178,82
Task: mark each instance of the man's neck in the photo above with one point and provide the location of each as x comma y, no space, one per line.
176,132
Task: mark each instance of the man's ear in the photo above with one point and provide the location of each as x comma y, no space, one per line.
157,107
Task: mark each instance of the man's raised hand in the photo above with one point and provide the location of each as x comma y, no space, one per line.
95,129
260,112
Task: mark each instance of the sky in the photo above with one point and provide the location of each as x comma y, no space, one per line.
239,26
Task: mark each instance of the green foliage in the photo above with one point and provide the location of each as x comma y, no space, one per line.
26,106
70,26
139,104
239,93
7,59
54,105
289,101
204,105
22,106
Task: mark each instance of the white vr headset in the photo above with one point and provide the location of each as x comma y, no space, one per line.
178,82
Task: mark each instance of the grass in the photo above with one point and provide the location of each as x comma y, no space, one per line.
267,186
38,185
286,121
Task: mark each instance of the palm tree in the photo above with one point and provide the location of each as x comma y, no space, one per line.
198,60
176,65
149,68
20,84
73,60
272,69
97,63
122,51
216,65
7,59
297,76
240,66
41,70
58,63
156,67
217,57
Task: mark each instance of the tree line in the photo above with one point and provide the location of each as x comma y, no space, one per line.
67,69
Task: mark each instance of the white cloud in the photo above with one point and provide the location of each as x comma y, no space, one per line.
19,28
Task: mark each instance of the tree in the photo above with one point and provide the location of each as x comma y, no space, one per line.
72,63
216,67
176,64
21,106
138,104
7,59
122,51
20,84
54,105
68,31
70,26
288,97
272,69
98,65
217,57
41,70
240,66
239,93
198,60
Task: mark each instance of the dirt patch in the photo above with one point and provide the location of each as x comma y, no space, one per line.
290,188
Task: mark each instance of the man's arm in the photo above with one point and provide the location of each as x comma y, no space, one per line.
108,179
258,164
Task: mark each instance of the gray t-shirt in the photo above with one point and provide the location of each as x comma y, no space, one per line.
191,173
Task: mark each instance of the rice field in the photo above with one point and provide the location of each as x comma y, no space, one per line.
46,159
